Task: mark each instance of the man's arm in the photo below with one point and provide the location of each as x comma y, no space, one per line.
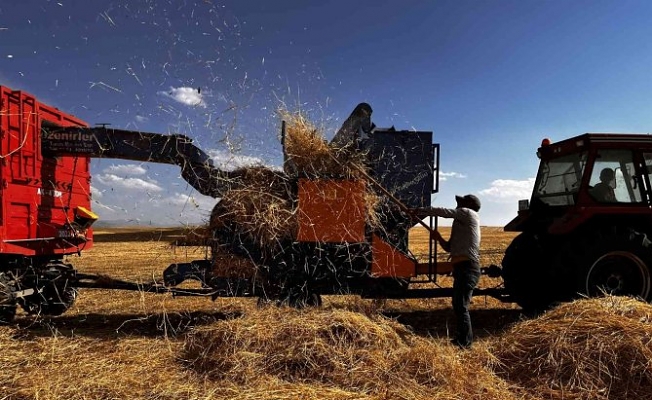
438,212
445,244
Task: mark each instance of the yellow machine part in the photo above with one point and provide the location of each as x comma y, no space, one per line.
83,212
84,217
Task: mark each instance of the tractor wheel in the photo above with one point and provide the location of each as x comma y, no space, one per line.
532,273
617,263
53,300
7,304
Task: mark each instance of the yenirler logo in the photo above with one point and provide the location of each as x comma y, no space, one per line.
76,136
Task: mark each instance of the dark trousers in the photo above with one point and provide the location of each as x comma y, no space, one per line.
466,275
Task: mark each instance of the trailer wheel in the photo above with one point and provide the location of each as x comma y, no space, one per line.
7,304
53,300
618,264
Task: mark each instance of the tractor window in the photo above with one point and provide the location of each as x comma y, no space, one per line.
558,180
648,168
612,178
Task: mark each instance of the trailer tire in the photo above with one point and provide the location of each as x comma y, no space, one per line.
7,314
52,301
617,263
7,304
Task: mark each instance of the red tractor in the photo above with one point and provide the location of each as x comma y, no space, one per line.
585,229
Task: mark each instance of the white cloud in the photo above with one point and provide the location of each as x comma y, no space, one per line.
141,119
177,209
129,183
185,95
95,192
97,204
443,176
228,161
507,190
125,169
452,174
199,202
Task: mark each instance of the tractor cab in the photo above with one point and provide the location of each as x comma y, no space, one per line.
587,176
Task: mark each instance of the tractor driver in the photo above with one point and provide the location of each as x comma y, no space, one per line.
464,248
603,191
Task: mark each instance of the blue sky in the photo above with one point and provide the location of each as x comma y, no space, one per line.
489,78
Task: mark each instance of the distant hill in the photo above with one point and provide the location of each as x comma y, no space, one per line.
113,223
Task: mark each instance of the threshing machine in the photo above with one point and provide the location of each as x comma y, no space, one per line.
46,212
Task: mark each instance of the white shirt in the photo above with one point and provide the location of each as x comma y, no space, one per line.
465,233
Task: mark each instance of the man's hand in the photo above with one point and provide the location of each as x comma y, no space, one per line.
435,235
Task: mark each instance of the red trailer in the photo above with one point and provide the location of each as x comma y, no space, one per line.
45,208
45,201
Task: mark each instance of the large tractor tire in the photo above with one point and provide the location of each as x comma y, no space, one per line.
532,273
616,262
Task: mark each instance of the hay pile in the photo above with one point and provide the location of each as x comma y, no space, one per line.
589,349
309,154
342,352
258,208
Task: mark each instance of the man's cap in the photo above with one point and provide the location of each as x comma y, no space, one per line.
470,201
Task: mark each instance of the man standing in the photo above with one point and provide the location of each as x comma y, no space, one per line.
464,248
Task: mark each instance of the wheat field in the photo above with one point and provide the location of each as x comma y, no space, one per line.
133,345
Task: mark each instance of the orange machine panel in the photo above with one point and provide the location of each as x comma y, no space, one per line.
387,261
331,211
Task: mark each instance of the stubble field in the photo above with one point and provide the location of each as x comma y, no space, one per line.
132,345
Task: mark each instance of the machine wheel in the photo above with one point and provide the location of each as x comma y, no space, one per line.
53,300
533,274
263,301
302,300
299,297
617,263
290,280
386,288
7,304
